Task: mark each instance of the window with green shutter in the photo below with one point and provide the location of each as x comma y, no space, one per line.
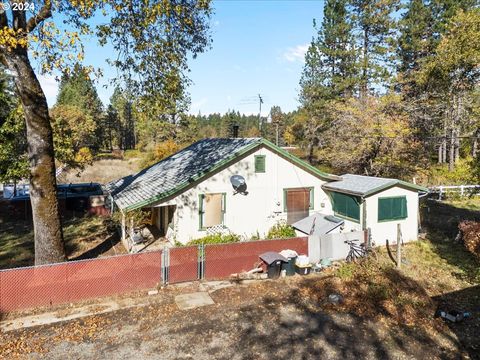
392,208
259,163
346,206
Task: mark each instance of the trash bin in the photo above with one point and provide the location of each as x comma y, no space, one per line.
273,262
273,269
289,266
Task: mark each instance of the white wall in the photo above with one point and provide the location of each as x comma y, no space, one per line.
381,231
247,214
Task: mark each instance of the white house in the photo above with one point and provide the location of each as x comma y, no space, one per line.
190,193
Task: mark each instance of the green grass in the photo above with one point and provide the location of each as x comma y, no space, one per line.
472,203
17,247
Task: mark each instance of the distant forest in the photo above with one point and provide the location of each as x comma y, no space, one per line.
389,88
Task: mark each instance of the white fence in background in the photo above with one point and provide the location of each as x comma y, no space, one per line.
462,190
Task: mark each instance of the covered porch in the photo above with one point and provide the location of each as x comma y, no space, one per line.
153,229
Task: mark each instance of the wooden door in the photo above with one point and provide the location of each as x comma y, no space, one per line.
298,204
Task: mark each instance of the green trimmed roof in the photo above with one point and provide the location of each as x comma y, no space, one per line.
175,174
367,185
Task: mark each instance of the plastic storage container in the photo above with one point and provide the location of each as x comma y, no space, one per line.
303,270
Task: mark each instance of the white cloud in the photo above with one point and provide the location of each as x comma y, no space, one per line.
297,53
50,88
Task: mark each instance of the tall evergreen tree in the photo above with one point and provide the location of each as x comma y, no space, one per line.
122,104
78,90
416,30
329,71
335,43
375,25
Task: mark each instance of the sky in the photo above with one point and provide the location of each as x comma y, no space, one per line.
258,47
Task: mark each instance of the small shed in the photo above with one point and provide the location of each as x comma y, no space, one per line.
377,203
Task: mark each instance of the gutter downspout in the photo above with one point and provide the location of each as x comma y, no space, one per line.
364,213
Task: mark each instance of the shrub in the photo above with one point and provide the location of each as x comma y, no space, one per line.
131,154
216,239
83,157
471,236
161,151
281,230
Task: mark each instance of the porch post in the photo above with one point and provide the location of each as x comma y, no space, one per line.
123,227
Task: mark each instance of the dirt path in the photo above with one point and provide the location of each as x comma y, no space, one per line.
267,320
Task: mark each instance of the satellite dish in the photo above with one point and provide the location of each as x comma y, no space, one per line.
239,184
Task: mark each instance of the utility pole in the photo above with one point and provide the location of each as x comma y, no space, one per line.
260,102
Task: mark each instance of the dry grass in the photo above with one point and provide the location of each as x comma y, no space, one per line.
83,236
468,203
103,171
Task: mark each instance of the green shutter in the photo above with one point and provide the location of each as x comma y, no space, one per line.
346,205
392,208
259,163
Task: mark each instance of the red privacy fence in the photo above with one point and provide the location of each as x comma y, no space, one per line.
54,284
224,259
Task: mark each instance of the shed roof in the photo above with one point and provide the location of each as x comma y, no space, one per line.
174,174
318,224
367,185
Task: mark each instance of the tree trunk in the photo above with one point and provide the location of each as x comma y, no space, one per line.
364,82
310,152
440,152
475,144
451,160
49,245
457,146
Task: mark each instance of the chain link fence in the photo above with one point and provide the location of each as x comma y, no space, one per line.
55,284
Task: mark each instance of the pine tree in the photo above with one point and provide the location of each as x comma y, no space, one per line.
374,25
78,90
122,104
415,40
336,45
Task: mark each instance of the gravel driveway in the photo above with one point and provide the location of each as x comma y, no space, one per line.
264,320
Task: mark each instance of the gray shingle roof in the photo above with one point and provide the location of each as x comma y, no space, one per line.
165,176
318,224
366,185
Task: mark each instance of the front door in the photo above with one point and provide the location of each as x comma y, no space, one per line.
297,204
165,218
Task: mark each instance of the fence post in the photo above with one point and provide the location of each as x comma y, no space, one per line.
440,193
201,262
165,264
461,190
399,246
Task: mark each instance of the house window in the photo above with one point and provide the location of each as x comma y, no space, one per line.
346,206
259,163
211,209
392,208
297,203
